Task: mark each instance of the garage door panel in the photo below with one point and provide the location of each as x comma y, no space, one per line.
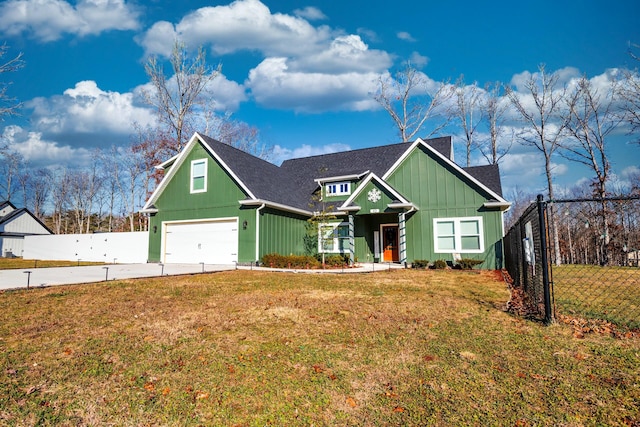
211,242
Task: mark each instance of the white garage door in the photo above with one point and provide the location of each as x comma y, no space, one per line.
211,242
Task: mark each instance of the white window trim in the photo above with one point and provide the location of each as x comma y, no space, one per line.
336,245
191,176
457,236
338,191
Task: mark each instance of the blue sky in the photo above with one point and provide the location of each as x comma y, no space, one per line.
300,71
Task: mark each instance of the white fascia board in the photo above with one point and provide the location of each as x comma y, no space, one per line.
372,176
447,160
166,163
259,202
341,178
178,160
227,168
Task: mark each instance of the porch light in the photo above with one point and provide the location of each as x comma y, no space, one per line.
155,229
244,224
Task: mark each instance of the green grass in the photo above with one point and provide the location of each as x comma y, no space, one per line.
607,293
18,263
246,348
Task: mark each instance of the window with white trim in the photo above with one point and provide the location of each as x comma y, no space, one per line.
333,237
458,235
199,176
338,188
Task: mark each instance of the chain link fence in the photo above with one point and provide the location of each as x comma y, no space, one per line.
527,264
577,259
596,274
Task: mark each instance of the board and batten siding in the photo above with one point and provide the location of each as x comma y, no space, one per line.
177,203
439,191
281,232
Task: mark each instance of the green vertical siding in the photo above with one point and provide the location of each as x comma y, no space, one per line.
439,191
219,201
281,232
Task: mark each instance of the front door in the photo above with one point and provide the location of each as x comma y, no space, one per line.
390,243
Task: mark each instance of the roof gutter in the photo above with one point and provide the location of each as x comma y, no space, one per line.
320,181
258,202
503,206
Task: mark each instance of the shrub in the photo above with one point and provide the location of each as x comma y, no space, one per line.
334,260
440,264
468,263
420,263
289,261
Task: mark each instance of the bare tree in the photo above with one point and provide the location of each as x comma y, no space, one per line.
40,189
590,118
240,135
177,98
468,111
539,110
494,148
11,163
60,199
8,105
629,92
410,99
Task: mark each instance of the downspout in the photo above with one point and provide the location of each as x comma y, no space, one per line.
258,231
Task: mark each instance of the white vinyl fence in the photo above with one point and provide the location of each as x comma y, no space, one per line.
131,247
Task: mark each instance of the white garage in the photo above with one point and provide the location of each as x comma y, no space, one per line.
209,241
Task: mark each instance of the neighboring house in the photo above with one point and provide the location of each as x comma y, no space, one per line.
15,224
394,203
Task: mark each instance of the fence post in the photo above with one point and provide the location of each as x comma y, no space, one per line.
542,207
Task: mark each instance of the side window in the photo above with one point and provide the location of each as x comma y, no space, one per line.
199,176
463,235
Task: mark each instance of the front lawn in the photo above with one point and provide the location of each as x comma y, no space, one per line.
252,348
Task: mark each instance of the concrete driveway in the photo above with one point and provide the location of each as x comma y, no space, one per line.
36,277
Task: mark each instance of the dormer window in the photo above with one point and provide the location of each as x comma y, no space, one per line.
338,188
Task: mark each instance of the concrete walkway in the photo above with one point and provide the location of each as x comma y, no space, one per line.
40,277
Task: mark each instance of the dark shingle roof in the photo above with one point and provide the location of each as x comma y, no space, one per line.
293,183
489,175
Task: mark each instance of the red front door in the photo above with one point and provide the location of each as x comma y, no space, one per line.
390,243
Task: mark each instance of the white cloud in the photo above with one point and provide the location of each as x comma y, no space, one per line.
403,35
344,54
39,152
88,109
241,25
275,86
418,60
304,67
311,13
281,154
48,20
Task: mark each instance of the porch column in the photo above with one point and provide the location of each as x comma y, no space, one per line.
352,243
402,237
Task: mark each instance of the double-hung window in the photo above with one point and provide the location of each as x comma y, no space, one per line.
458,235
333,237
338,188
199,176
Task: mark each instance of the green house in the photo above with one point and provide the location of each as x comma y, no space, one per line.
394,203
